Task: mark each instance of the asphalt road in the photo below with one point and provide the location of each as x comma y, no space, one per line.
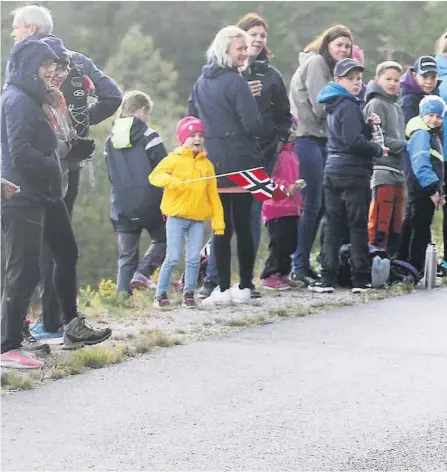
363,388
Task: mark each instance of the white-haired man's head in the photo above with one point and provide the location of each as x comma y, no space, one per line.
30,20
229,47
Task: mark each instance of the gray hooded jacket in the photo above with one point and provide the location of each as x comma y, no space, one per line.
311,76
388,170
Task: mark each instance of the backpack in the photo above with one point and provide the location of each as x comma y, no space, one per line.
76,90
399,271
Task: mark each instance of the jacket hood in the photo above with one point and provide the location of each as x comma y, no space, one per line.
24,64
212,69
441,60
58,47
333,91
332,95
417,123
127,131
408,83
373,90
303,57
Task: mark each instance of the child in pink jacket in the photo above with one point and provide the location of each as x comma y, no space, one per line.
281,218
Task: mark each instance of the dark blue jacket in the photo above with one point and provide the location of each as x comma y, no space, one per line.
273,104
424,168
29,143
350,151
222,99
131,152
411,95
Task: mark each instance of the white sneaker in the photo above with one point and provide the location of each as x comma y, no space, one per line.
240,295
218,298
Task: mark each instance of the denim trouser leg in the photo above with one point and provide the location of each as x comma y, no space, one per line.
128,254
312,157
176,231
194,241
211,270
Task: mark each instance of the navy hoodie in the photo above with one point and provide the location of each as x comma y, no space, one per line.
29,142
131,152
350,151
222,99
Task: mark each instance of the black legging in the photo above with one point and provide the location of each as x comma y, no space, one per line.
25,230
237,215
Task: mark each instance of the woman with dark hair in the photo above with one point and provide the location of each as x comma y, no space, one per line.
316,65
222,99
270,93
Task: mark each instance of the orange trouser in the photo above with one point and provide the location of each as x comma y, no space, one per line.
385,216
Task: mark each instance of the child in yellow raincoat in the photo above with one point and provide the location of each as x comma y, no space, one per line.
187,206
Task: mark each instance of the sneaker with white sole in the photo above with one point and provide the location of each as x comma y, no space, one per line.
20,359
361,287
219,298
240,295
322,286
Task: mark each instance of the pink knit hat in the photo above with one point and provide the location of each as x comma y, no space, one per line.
187,126
358,54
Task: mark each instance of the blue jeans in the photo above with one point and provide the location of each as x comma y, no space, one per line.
177,229
211,270
312,155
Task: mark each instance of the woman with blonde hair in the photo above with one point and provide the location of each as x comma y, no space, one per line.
222,99
315,70
441,60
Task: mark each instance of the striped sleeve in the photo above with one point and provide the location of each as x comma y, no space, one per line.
154,147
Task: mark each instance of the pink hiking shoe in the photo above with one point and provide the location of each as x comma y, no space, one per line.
20,359
274,282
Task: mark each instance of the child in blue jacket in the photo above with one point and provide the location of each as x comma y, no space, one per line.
347,176
425,177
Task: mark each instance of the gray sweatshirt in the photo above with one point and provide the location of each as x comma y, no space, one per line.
311,76
388,170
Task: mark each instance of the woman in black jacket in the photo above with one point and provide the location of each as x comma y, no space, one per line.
270,92
222,99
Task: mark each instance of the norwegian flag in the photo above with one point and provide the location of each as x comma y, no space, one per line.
259,184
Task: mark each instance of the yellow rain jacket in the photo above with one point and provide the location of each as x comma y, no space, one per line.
198,201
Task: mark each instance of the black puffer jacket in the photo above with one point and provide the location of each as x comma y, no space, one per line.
273,104
222,99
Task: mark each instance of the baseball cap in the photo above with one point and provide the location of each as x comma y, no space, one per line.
425,64
345,66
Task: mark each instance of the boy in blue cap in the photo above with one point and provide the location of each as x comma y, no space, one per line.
425,177
347,176
416,83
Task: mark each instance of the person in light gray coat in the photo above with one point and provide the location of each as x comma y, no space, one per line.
387,183
314,72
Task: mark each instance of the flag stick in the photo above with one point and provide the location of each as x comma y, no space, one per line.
220,175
